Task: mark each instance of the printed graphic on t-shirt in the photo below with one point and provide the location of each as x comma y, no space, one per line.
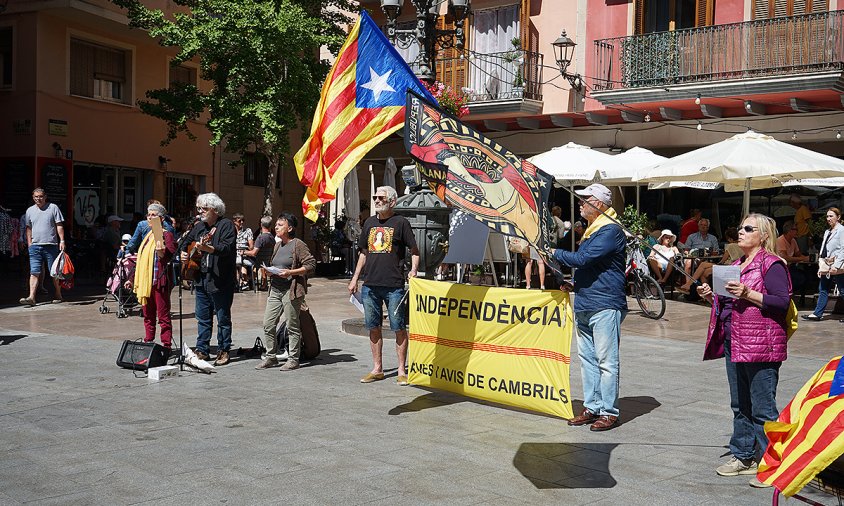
380,239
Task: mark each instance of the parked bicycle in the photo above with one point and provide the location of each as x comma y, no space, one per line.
643,287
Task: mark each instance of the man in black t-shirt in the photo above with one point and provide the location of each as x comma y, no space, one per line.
262,251
382,242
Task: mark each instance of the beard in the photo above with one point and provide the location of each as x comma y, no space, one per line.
381,206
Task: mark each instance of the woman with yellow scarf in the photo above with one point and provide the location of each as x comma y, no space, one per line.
154,278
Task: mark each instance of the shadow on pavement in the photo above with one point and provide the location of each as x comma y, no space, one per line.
629,407
564,465
5,340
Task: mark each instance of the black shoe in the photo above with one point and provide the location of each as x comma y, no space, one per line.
811,317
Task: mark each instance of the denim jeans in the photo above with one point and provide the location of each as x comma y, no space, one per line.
753,399
825,285
374,297
40,254
598,337
208,305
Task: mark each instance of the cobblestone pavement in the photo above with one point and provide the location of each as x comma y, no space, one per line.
79,430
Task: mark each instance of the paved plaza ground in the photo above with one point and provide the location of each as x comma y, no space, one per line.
76,429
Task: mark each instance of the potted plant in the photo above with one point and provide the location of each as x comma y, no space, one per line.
516,57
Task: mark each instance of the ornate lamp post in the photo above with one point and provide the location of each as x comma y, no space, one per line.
426,34
563,53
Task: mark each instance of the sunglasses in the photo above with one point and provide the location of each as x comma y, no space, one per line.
749,228
376,198
202,209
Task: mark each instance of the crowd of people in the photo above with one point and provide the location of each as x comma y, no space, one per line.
749,327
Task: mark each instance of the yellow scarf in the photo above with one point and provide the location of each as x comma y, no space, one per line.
144,269
602,220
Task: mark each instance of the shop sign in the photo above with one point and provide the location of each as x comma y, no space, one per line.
57,127
86,207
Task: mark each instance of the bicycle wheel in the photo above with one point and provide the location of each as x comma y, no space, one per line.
649,295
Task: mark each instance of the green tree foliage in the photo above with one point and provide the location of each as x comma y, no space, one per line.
262,60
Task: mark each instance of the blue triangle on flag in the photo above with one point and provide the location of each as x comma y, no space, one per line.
837,386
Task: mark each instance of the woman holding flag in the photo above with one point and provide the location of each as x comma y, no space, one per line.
154,279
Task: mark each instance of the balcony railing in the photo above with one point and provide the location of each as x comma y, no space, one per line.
510,75
765,47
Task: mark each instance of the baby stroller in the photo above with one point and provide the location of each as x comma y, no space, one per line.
116,291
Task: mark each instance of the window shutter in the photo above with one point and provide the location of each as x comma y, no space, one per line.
451,70
818,5
705,10
639,18
81,69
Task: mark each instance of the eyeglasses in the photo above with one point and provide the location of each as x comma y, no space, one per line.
376,198
202,209
239,221
749,228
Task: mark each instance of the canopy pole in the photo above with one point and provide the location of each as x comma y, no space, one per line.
746,199
571,200
637,199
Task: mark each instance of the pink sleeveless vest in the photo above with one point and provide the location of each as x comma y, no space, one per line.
757,335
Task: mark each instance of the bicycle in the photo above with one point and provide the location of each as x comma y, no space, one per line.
643,287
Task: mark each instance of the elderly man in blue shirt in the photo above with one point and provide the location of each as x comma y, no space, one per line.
599,307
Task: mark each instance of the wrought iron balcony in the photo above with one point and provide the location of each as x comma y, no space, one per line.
494,77
765,47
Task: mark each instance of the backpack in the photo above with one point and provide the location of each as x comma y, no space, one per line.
310,336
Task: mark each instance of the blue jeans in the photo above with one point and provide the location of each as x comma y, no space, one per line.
826,284
374,297
40,254
753,399
208,305
598,337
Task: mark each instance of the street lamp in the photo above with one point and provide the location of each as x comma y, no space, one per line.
563,53
426,35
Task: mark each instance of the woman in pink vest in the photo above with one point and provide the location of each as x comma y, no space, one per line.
748,328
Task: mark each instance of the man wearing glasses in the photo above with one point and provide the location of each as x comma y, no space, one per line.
600,306
382,244
214,236
45,238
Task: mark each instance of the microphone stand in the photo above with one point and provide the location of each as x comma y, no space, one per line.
178,275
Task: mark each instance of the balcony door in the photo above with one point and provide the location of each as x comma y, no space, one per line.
669,15
491,75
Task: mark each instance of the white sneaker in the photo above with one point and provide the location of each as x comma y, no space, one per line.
755,483
735,467
280,356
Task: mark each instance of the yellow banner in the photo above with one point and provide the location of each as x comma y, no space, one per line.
498,344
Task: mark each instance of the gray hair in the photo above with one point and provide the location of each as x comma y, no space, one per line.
267,222
390,191
158,208
787,227
213,201
237,215
702,220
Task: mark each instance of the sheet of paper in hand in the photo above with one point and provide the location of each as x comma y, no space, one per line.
721,275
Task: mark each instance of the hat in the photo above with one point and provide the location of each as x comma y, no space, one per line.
114,217
598,191
126,238
668,233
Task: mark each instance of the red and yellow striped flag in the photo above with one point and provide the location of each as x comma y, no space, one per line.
362,102
807,437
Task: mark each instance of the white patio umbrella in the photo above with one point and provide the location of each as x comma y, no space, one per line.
572,164
745,161
623,167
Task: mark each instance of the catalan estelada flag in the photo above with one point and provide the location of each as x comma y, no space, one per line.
362,102
807,436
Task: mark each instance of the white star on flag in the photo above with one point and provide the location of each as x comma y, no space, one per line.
378,84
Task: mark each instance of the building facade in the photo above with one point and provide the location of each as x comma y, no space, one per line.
71,75
666,75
